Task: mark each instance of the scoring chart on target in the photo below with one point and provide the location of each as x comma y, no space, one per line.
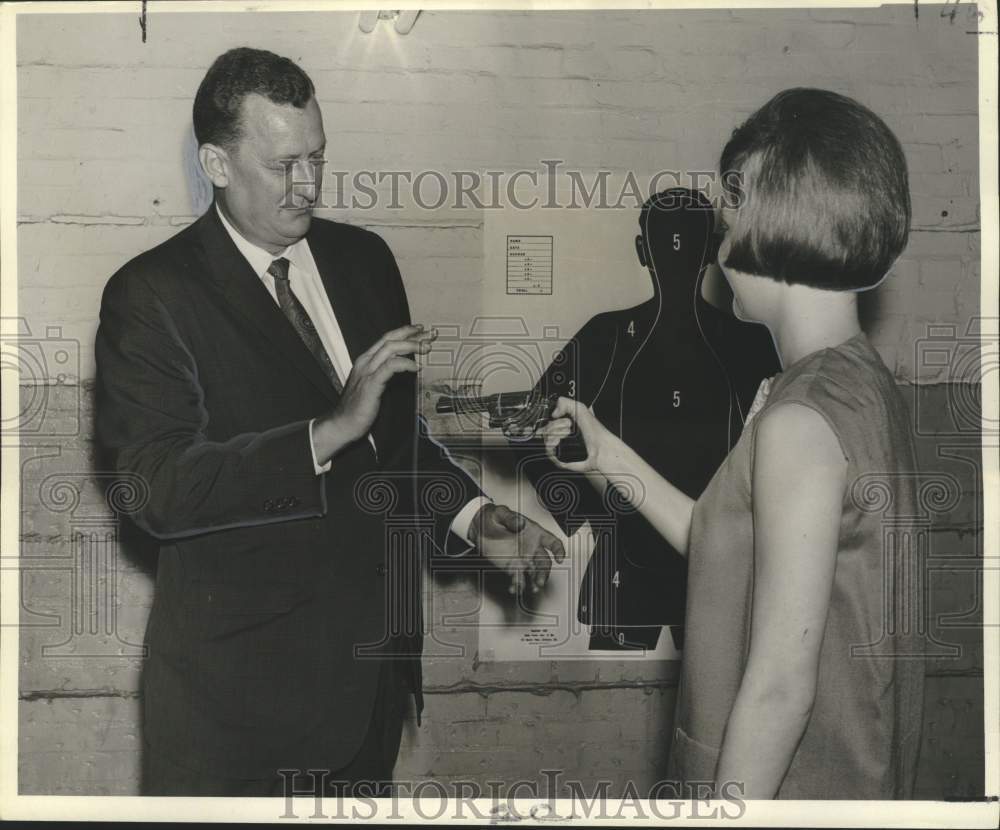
529,264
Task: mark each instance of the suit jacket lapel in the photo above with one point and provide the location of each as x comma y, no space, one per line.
347,281
246,294
341,276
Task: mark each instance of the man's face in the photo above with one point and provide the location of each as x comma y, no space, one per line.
274,173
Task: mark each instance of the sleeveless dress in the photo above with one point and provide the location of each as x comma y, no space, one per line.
863,736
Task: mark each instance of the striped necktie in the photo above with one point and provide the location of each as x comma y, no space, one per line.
297,316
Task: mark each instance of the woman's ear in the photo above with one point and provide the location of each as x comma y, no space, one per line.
715,289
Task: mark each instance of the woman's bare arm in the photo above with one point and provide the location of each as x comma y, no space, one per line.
799,482
664,506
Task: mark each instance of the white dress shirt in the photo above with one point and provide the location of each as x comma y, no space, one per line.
306,284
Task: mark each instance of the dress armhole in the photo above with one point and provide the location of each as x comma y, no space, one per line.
808,405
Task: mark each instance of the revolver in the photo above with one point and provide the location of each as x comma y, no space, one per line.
519,415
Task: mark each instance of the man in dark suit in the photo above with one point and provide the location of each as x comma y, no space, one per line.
257,372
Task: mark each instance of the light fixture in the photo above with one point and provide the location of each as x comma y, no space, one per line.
404,20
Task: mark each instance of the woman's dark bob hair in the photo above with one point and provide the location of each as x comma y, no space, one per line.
820,186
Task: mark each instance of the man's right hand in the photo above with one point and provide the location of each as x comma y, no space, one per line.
359,403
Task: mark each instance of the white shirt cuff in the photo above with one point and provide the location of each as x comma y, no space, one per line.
317,467
460,524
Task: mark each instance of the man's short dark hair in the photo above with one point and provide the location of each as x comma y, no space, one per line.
236,74
823,190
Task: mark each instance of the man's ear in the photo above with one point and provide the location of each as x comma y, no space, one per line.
215,162
640,249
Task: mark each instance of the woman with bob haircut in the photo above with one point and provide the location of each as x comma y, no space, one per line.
802,672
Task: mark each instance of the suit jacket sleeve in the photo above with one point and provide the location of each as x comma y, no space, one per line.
151,419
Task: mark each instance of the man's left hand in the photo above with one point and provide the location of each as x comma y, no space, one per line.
517,545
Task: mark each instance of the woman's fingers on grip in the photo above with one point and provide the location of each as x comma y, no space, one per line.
560,426
565,408
554,431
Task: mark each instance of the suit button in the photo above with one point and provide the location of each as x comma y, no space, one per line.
381,570
268,505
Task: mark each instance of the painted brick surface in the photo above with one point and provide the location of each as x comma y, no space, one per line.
102,136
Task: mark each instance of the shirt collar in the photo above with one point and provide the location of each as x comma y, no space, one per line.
259,259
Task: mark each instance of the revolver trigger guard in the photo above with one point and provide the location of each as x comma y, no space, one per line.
514,432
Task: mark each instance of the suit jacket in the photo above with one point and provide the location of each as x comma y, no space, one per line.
275,588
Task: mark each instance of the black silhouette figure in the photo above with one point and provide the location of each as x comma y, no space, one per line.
674,377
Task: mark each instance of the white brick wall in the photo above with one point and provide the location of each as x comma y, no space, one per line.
101,130
102,125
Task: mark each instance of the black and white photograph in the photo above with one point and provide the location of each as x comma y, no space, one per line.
541,412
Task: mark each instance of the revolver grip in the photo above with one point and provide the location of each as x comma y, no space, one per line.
572,448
